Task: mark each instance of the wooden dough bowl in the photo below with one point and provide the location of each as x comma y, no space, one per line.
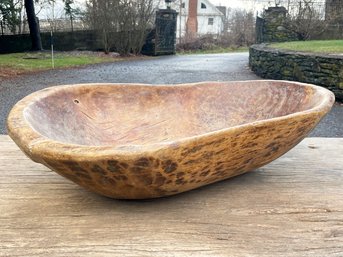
133,141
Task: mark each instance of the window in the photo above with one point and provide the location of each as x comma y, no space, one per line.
210,21
203,6
183,5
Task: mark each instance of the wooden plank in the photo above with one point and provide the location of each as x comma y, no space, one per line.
291,207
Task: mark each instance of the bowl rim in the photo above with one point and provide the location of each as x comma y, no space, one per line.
36,145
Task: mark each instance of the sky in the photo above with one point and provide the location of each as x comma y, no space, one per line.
243,4
230,3
256,5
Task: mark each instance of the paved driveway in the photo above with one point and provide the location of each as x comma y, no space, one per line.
167,69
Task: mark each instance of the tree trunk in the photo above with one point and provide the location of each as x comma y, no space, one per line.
71,23
33,25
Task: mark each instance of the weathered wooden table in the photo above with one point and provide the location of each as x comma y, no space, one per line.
291,207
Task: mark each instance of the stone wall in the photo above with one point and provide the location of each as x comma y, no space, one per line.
318,69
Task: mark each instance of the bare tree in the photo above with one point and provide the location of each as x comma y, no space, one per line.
241,27
122,24
70,11
10,14
306,19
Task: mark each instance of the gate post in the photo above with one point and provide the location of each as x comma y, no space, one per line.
165,37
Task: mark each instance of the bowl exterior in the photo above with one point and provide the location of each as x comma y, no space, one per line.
139,172
182,167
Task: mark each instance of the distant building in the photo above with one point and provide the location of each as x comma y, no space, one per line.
334,11
199,17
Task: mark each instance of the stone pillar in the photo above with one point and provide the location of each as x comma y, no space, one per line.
274,29
165,36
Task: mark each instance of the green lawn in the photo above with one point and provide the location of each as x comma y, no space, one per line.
26,62
215,50
317,46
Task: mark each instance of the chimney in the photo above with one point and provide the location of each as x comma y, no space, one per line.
192,21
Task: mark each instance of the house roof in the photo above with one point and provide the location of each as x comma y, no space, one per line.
211,9
215,10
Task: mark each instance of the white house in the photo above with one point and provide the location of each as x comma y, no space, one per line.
198,17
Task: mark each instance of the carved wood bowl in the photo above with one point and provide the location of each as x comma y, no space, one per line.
130,141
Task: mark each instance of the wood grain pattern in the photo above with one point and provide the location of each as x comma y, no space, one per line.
143,141
291,207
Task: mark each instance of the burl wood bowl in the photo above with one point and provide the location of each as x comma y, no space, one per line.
130,141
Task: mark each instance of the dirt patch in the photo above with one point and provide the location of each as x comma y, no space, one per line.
8,72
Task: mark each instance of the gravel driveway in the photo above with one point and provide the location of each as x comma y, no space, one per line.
161,70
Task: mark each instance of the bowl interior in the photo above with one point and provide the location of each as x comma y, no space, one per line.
138,114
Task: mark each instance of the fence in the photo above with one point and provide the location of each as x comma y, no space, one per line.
56,25
63,41
68,41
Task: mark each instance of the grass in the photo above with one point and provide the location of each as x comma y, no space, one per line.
18,63
215,50
316,46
